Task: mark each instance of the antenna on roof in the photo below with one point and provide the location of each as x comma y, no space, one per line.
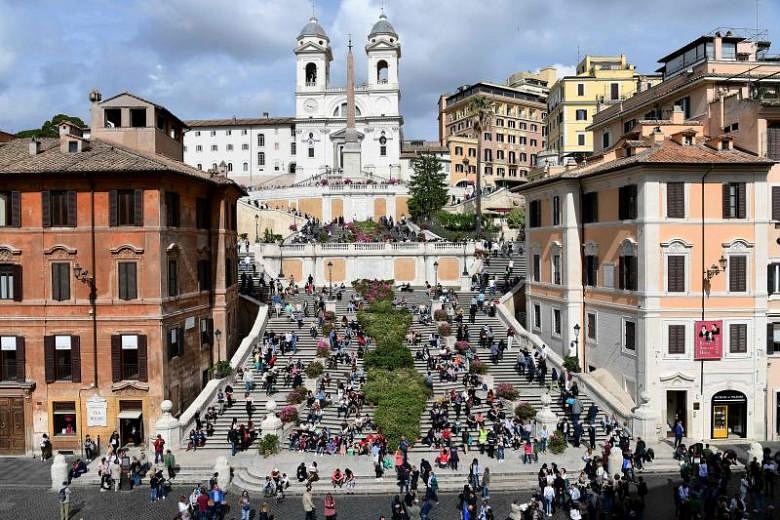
578,54
382,7
757,16
313,12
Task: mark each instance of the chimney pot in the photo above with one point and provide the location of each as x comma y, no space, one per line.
34,146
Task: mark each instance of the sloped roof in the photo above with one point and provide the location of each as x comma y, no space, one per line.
247,121
383,27
313,28
101,157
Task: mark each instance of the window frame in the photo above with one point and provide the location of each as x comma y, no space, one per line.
126,294
591,338
556,313
537,317
667,339
62,291
624,335
739,353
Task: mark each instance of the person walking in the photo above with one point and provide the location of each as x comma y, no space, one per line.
330,507
159,449
308,504
679,432
244,505
64,497
170,463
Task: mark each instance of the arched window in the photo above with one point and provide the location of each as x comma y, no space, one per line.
341,111
200,166
230,166
382,71
245,167
311,74
383,144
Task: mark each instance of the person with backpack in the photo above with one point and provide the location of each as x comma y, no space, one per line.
45,447
64,498
159,448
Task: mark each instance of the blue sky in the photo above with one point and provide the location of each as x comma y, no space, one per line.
219,58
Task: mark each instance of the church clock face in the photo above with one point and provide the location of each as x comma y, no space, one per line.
310,105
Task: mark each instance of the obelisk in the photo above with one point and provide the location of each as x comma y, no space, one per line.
351,163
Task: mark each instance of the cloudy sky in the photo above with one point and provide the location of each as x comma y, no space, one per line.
220,58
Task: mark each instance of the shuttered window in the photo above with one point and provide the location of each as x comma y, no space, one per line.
10,209
537,268
556,210
738,338
58,208
776,203
60,281
173,278
675,273
676,339
627,273
773,141
772,338
175,342
675,200
204,275
126,207
773,279
591,326
734,200
590,207
12,358
737,273
627,203
535,214
629,335
172,209
11,282
128,357
591,270
62,358
128,280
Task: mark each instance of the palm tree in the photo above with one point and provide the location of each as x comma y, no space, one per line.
482,109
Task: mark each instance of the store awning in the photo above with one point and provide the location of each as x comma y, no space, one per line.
130,414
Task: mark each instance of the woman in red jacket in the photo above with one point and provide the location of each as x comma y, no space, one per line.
330,507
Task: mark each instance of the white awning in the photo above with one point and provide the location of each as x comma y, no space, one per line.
130,414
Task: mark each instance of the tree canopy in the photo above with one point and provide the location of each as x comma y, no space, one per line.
428,187
49,128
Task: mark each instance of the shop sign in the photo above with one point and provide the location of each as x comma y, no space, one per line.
96,411
708,343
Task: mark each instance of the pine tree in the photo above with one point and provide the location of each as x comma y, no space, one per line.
428,187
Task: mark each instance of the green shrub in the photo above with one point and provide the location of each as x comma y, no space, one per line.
524,411
556,443
571,363
268,445
221,369
314,370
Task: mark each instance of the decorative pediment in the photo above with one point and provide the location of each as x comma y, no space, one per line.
340,134
628,247
381,45
737,245
310,46
678,378
130,387
8,252
127,250
173,249
535,248
591,249
556,245
205,250
60,250
676,245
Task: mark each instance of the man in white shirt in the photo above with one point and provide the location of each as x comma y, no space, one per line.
549,497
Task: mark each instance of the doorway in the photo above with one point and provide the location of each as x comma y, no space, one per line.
11,426
131,423
729,415
676,407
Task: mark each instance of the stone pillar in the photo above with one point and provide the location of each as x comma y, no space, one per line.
615,461
168,426
644,418
222,469
545,416
59,471
272,424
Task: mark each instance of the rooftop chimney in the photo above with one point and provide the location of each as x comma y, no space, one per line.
678,116
34,146
266,115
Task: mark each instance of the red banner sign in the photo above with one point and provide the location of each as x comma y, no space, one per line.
708,343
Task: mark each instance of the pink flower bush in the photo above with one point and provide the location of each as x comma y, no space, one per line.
289,414
462,346
374,290
444,329
293,227
506,391
323,351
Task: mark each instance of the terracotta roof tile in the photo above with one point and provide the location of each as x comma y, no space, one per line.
101,157
255,121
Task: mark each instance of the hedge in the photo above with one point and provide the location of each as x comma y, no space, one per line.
400,397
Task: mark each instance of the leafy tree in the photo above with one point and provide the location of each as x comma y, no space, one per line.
428,187
515,219
49,128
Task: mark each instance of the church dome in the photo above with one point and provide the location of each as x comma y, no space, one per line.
313,28
383,27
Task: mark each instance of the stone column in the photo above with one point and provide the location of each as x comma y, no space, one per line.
272,424
168,426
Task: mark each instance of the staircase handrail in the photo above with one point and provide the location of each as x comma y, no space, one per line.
587,383
209,392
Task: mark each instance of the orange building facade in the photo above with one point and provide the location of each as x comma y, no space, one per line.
117,278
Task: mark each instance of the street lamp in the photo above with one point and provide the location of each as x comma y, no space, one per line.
281,258
465,270
330,278
436,275
574,347
715,270
257,228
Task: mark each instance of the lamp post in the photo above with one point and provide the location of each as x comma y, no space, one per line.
575,344
330,280
714,270
465,270
217,335
257,228
281,258
436,276
466,171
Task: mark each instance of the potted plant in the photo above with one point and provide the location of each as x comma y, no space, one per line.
506,391
524,411
314,370
268,445
297,395
289,414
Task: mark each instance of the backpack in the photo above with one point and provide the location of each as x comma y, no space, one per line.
62,495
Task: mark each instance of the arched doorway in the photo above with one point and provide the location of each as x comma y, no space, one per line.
729,415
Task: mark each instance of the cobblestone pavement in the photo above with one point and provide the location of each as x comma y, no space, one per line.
33,504
24,471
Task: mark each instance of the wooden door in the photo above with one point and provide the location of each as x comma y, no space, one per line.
11,426
720,421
